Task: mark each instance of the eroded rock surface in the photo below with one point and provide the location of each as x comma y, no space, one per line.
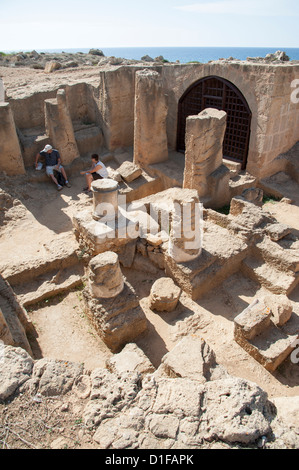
123,409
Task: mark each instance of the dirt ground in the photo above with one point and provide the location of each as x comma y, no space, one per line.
62,330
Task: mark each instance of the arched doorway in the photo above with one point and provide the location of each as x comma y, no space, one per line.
216,92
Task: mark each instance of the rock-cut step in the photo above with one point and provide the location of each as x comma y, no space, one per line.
49,285
55,255
268,276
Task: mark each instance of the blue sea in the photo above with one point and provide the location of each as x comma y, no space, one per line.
187,54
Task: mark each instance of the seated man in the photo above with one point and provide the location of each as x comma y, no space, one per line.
97,171
53,163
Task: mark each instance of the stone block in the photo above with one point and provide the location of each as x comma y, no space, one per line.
129,171
253,320
112,234
221,256
130,359
278,231
119,320
52,66
254,195
270,348
281,308
164,295
192,358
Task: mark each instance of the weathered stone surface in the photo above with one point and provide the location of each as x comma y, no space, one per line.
105,202
164,295
288,412
97,52
14,321
235,411
59,127
278,231
186,229
105,277
122,411
11,160
204,153
129,171
130,359
181,412
256,332
114,174
280,257
221,256
5,334
245,214
281,308
15,369
54,377
82,386
150,115
254,195
52,66
119,320
253,320
192,358
110,393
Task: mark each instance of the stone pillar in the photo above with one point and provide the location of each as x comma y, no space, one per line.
11,160
116,106
204,170
59,127
150,137
185,238
105,277
105,198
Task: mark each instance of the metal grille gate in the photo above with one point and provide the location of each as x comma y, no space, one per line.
216,92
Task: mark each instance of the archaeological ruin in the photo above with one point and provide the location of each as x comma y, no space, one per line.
196,154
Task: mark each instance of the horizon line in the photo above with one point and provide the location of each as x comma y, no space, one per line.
152,47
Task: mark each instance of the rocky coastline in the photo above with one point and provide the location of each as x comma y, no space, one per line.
52,61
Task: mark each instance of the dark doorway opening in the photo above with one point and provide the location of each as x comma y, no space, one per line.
216,92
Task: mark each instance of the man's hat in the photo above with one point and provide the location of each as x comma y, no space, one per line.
47,148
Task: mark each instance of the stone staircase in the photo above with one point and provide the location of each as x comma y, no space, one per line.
274,267
46,275
50,284
273,279
267,339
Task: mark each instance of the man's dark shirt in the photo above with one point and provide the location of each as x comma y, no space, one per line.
51,158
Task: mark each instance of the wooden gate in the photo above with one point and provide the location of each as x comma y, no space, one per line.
216,92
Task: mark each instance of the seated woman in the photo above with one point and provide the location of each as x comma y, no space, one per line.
97,171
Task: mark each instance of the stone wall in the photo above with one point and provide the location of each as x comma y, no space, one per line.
150,138
267,90
278,122
116,101
110,104
10,152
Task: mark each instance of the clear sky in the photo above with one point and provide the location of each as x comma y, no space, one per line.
61,24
